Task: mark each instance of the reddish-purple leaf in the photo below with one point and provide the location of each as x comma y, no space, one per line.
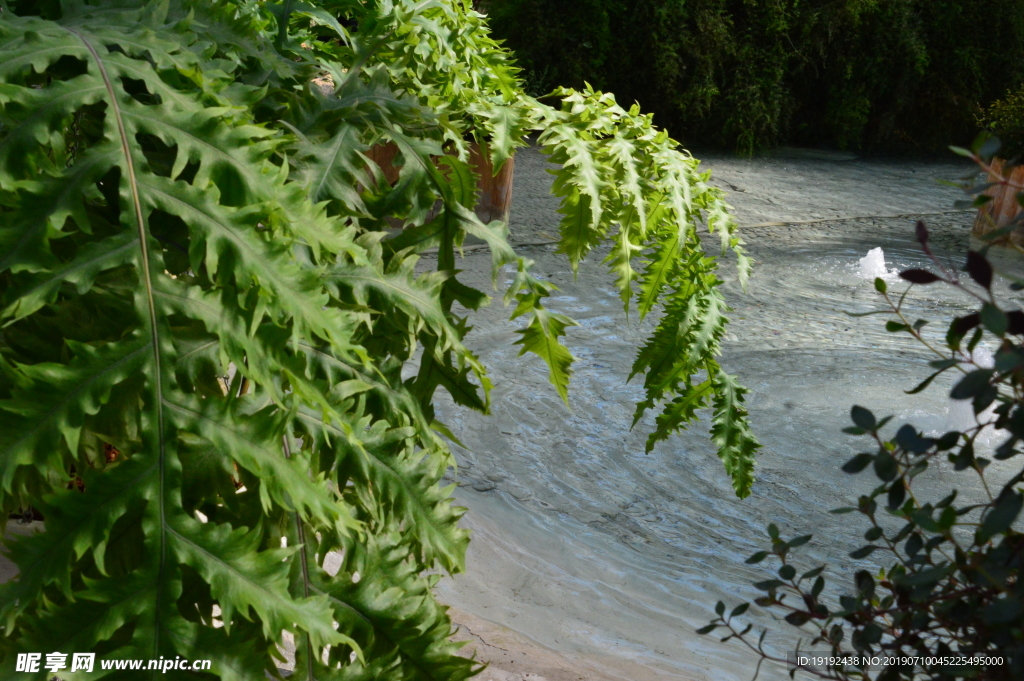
961,325
1015,321
917,276
979,269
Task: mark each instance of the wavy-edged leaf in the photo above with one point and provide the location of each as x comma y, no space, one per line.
540,336
731,433
401,481
47,418
384,605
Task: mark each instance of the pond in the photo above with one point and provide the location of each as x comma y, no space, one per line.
587,546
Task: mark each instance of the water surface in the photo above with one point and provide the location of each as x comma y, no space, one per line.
587,545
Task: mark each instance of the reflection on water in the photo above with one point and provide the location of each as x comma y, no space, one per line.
589,546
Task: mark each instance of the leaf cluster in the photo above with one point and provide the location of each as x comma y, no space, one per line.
622,182
218,359
1005,119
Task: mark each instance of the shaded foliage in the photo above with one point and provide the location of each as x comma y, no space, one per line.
1005,119
746,74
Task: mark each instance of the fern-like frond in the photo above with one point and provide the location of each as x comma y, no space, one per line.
162,167
731,433
385,606
397,482
620,176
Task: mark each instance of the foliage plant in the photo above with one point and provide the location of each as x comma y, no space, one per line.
747,74
1005,119
186,194
948,601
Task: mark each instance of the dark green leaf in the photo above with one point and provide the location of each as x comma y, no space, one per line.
916,276
800,541
897,493
1003,610
797,618
858,463
926,382
757,557
811,574
885,466
1002,515
862,417
989,147
994,319
768,584
971,384
863,552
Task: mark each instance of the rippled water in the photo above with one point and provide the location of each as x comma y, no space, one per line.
588,546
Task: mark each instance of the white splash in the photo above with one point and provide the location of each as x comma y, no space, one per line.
983,357
872,265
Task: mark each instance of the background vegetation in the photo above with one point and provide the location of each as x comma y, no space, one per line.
744,74
1005,118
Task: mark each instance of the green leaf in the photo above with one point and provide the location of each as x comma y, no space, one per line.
657,273
540,336
243,579
800,541
928,381
576,228
858,463
994,319
863,552
895,327
862,417
53,411
730,431
388,611
1002,515
971,384
403,484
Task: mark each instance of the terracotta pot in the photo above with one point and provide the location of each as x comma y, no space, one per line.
1003,207
495,202
383,155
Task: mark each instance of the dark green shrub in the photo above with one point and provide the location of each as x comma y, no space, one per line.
750,73
1005,118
